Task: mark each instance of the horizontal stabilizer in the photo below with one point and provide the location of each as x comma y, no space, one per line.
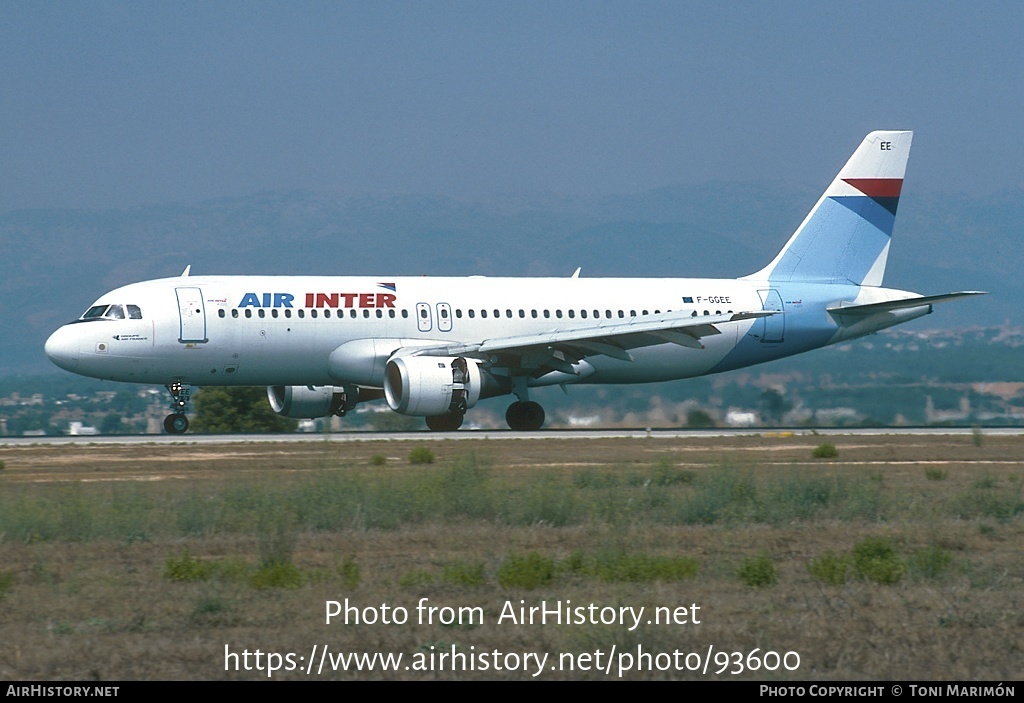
901,304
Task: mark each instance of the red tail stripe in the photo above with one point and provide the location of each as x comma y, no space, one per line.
877,187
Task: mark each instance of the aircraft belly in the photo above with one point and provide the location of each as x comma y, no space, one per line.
662,362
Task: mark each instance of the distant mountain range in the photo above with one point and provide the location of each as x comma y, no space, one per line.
56,262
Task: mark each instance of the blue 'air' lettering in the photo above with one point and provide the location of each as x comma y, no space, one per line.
268,300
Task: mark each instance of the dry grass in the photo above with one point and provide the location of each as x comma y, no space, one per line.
87,533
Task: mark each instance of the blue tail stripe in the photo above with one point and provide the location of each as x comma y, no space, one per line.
841,242
874,210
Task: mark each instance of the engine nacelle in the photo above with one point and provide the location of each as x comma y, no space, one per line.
432,385
309,401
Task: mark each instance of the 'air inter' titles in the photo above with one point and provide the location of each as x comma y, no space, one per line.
320,300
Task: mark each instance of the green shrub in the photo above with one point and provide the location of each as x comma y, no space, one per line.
931,562
758,572
185,567
825,451
421,455
594,479
530,571
830,568
935,474
276,534
635,568
378,460
234,569
211,605
666,473
464,573
985,482
417,578
874,559
277,575
6,581
350,573
575,563
2,465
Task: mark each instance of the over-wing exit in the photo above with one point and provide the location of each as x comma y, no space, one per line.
434,347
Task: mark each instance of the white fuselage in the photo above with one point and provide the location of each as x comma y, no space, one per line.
276,330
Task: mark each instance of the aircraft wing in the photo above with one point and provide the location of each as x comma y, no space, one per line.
559,347
903,303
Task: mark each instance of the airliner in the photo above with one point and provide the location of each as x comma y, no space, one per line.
434,347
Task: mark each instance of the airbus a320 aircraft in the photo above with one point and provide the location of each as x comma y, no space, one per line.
434,347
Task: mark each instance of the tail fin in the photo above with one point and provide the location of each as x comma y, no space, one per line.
845,238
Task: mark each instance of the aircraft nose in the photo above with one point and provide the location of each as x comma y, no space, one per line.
62,348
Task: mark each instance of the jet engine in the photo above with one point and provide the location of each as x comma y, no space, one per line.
432,385
309,401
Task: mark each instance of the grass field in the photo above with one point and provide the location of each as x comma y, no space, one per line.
896,558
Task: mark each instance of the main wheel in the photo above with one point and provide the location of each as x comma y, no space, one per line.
176,424
448,422
525,416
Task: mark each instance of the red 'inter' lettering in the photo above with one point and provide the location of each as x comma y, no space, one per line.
350,300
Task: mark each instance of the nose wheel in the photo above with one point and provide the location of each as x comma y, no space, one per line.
177,422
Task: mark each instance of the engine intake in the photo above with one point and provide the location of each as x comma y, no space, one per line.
432,385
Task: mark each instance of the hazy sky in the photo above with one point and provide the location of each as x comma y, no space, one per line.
117,104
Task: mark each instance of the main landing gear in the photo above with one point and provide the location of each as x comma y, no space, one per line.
176,422
525,416
449,422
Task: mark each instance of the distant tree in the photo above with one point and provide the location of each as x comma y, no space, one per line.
773,405
395,422
237,409
111,423
699,418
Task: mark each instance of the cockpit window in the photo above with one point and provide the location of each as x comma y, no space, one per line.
94,312
112,312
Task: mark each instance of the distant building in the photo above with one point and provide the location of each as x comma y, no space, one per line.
740,418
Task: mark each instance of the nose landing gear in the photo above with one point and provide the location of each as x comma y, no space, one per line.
177,422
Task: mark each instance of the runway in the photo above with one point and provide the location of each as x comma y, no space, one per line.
426,436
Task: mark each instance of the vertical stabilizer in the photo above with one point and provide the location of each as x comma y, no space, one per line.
845,238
